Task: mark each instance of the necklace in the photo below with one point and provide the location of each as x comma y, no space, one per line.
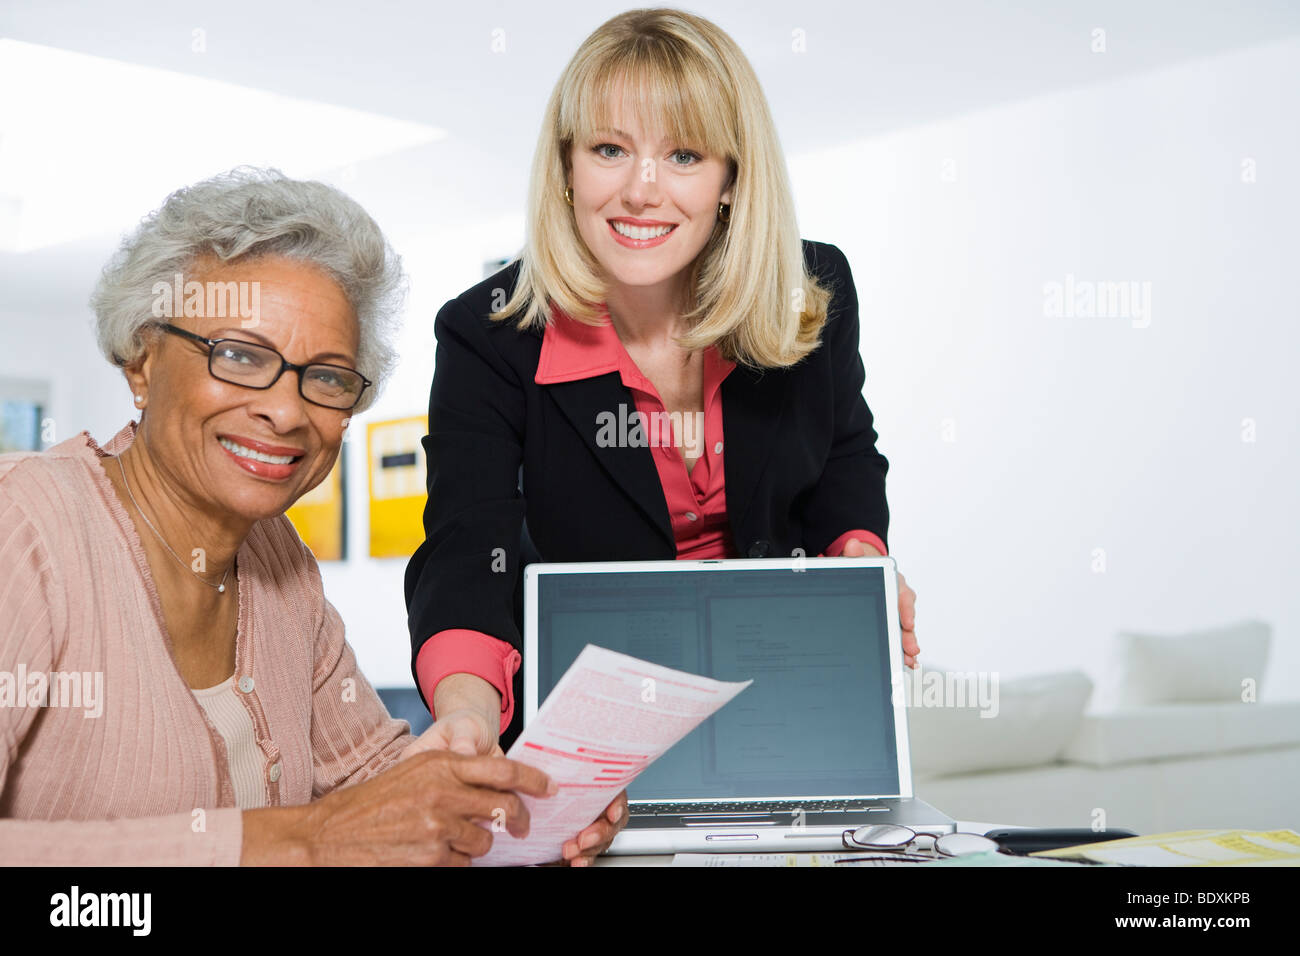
221,588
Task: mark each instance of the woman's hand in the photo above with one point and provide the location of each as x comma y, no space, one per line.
423,811
468,711
855,548
595,839
464,731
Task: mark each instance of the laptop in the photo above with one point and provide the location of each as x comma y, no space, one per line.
815,746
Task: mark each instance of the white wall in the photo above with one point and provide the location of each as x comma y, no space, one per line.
1073,434
367,591
60,350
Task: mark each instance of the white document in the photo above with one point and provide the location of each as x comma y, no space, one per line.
608,718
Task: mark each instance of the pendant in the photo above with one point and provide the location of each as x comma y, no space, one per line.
221,589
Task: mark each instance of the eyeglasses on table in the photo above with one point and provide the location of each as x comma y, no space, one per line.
893,841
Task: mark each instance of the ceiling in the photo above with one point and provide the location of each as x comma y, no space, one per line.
869,68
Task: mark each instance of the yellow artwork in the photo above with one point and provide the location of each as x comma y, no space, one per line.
397,489
321,515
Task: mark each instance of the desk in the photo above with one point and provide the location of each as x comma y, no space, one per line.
666,859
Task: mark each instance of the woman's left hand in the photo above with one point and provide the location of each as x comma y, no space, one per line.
595,839
906,600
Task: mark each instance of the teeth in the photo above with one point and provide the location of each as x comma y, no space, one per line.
641,232
243,452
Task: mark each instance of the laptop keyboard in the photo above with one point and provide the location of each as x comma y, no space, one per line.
751,806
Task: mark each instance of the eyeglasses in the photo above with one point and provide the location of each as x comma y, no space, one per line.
260,366
894,840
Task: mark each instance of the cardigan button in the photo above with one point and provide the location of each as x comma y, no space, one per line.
246,684
760,549
275,772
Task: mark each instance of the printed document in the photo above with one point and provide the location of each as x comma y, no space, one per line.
609,717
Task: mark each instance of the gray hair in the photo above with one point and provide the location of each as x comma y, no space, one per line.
248,213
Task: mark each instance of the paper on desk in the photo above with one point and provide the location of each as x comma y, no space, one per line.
608,718
1193,848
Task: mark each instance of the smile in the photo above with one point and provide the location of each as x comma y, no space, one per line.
243,452
639,237
259,462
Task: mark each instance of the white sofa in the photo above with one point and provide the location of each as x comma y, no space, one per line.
1176,747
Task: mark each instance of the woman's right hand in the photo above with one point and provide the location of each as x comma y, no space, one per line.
422,811
463,731
468,712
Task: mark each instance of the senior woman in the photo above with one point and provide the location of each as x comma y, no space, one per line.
234,725
662,273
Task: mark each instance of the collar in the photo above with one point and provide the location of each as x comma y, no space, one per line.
83,444
573,350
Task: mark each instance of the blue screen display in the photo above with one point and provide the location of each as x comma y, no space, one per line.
818,719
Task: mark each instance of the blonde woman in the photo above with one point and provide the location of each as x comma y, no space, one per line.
663,273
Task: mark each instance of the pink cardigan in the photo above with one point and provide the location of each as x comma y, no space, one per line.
146,780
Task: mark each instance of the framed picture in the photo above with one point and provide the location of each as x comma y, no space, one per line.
321,515
397,491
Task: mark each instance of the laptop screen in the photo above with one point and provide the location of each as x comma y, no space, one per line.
817,721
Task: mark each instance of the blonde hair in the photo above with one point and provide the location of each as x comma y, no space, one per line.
750,292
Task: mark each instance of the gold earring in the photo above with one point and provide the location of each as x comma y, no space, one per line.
724,213
568,195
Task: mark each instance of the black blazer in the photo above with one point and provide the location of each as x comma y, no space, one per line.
514,465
